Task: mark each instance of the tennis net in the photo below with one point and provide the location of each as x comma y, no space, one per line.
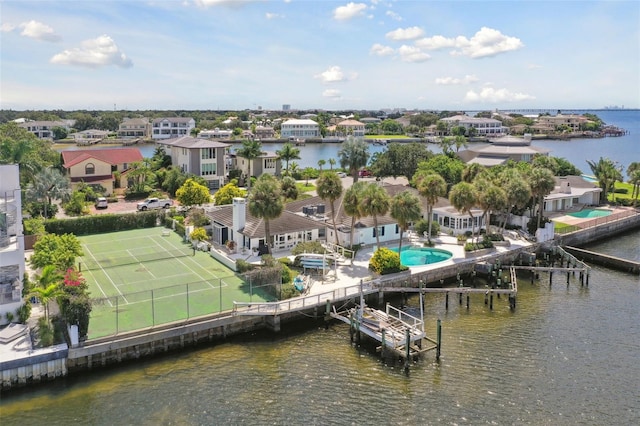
88,264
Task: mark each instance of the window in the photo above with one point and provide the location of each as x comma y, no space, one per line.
207,153
269,163
208,169
89,169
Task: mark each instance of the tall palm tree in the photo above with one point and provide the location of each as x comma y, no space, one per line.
48,287
607,173
329,187
471,171
49,184
251,149
517,190
460,142
490,197
431,186
288,153
352,201
405,208
265,202
631,172
375,202
321,163
332,162
463,197
353,155
542,183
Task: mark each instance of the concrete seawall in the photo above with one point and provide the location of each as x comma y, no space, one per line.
34,366
602,231
605,260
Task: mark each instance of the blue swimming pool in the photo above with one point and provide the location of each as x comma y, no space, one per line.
418,256
590,213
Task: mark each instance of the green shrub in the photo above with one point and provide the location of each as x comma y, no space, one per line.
287,291
285,261
286,274
422,226
45,332
24,312
34,226
308,247
386,261
199,234
98,224
243,266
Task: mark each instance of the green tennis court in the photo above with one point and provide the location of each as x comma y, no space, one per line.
146,277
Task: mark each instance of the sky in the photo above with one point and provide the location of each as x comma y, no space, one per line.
332,55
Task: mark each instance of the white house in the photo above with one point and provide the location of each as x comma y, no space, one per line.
44,129
11,241
266,163
172,127
201,157
488,127
296,128
571,192
134,128
216,134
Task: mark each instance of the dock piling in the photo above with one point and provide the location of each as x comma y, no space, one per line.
438,339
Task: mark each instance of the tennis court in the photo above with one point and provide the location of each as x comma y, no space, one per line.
146,277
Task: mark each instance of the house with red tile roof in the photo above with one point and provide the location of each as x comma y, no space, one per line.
96,166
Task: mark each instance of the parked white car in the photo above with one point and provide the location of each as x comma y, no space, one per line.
342,174
102,203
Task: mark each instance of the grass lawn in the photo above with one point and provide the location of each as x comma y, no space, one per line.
563,228
303,187
387,137
142,278
626,190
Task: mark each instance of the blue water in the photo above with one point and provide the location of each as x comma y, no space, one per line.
418,256
591,213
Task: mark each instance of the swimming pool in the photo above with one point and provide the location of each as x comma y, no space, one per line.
418,256
590,213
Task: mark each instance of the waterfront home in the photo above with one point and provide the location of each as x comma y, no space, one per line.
96,166
233,222
172,127
134,128
265,132
298,128
44,129
573,122
197,156
12,267
488,127
216,134
571,192
266,163
89,136
501,150
347,127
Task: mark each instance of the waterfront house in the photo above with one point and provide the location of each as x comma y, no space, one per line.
297,128
201,157
573,122
347,127
12,267
134,128
96,166
44,129
216,134
500,150
487,127
265,132
571,192
172,127
89,136
233,222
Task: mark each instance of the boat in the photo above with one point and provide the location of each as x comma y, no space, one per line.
299,283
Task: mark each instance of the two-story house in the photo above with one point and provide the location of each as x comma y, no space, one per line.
216,134
296,128
201,157
265,132
134,128
348,127
11,241
267,162
172,127
489,127
96,166
44,129
554,122
501,150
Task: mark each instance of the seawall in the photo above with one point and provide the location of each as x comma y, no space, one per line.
602,231
605,260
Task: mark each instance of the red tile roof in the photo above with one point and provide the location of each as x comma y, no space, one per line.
112,156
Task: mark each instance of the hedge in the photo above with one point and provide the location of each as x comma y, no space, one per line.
98,224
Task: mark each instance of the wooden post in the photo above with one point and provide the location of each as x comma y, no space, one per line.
446,301
407,345
383,349
467,301
550,278
491,302
438,339
327,314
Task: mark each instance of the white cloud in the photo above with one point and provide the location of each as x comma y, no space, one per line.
94,53
400,34
33,29
349,11
335,75
229,3
269,15
391,14
486,42
380,50
489,94
412,54
456,81
331,93
534,66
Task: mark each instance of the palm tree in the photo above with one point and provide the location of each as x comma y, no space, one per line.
321,163
460,142
288,153
517,190
463,197
265,202
405,208
375,202
542,183
353,156
251,149
332,162
48,287
471,171
431,186
607,173
631,172
289,188
490,197
329,187
49,184
352,201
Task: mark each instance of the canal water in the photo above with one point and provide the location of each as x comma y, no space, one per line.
567,355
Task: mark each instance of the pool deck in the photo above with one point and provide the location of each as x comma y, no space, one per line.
564,217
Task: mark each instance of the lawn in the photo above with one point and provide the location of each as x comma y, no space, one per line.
146,277
304,187
563,228
387,137
622,191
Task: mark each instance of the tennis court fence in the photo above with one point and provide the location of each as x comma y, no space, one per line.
93,262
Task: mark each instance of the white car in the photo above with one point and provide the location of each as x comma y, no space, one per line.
102,203
342,174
